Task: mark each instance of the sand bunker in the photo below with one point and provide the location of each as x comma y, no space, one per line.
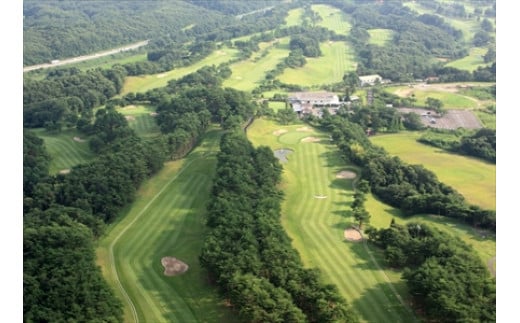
64,171
310,139
320,196
352,235
304,129
78,139
130,118
279,132
173,266
346,174
161,75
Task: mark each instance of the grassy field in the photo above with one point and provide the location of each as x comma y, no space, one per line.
380,37
294,17
337,59
473,178
140,119
166,219
64,150
148,82
316,225
246,75
474,60
448,93
332,18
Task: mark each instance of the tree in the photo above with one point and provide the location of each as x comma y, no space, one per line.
435,104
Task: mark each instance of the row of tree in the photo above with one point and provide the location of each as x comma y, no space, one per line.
247,252
411,188
444,275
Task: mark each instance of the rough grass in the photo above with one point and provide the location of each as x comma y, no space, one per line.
65,152
166,219
316,225
380,37
474,60
148,82
294,17
473,178
337,59
247,74
333,19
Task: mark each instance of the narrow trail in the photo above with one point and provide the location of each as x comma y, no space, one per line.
111,248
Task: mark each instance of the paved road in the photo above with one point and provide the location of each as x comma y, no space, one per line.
86,57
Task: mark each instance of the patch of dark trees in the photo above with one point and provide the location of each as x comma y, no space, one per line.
411,188
444,275
247,252
481,143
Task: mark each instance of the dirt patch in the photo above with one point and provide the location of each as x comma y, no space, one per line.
279,132
173,266
130,118
310,139
161,75
304,129
78,139
346,174
352,235
320,196
453,119
64,171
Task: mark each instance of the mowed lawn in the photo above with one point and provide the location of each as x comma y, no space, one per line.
447,93
473,178
316,224
332,18
141,119
336,60
67,149
166,219
247,74
147,82
294,17
474,60
380,37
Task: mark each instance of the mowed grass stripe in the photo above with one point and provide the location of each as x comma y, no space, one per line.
316,225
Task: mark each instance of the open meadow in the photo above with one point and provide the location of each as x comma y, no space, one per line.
147,82
474,60
332,18
166,219
66,148
337,59
142,119
380,37
473,178
315,214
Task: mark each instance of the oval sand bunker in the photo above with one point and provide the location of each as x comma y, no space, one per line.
346,174
173,266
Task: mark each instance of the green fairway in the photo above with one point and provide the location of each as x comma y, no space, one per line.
294,17
247,74
474,60
332,18
380,37
141,119
337,59
473,178
66,149
166,219
314,214
147,82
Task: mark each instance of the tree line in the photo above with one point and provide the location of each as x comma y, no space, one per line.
248,254
444,275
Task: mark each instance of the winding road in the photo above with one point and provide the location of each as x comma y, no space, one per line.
86,57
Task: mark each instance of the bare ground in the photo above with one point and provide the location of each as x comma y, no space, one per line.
78,139
352,235
173,266
346,174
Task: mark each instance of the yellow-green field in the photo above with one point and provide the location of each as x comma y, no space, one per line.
141,119
474,60
294,17
380,37
148,82
448,93
246,75
473,178
337,59
332,18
